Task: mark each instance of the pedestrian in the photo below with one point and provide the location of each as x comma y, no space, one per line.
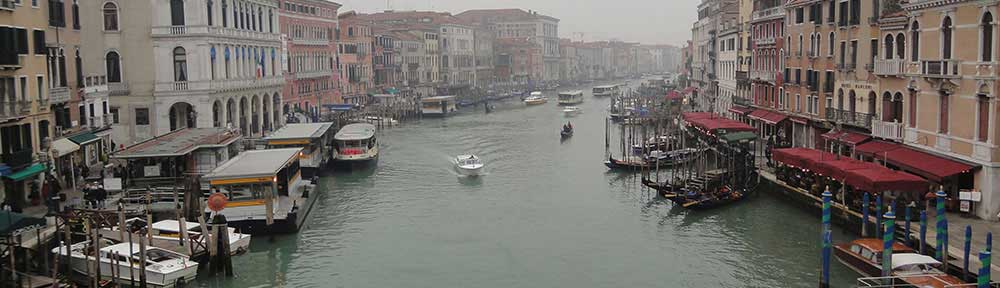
85,171
101,196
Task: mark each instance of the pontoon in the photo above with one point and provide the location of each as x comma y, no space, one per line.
606,91
315,139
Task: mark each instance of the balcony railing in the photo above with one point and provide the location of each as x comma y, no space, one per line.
887,130
117,89
7,5
762,75
857,119
14,109
774,12
313,74
18,159
765,41
227,84
890,67
742,101
98,122
939,68
311,42
59,95
184,31
13,62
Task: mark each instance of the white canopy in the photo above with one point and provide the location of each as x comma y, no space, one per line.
904,259
63,147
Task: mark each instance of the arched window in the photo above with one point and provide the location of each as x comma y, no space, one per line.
888,46
180,64
177,12
852,102
983,120
946,34
886,106
114,67
900,46
800,44
871,103
76,14
819,44
915,42
987,31
110,17
832,40
225,16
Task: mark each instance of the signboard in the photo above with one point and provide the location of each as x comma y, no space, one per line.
151,171
113,184
966,206
974,196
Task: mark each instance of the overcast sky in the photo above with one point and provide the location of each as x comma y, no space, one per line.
646,21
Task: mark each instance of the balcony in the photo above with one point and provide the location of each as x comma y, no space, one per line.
313,74
939,68
59,95
765,41
311,42
888,130
13,62
212,31
890,67
857,119
7,5
742,101
14,109
19,159
99,122
847,67
219,85
769,13
762,75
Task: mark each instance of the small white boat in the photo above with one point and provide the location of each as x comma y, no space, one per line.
375,120
164,268
572,111
536,98
166,234
469,165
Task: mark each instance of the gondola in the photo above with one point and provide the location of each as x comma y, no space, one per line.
693,197
632,163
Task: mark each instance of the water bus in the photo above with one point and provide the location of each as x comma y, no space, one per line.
356,143
607,91
570,97
266,191
315,139
438,106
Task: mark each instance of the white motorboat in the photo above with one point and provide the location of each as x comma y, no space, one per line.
120,263
166,234
572,110
469,165
376,120
536,98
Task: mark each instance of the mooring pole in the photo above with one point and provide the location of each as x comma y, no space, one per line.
878,215
966,252
827,239
940,228
864,214
923,232
887,241
906,236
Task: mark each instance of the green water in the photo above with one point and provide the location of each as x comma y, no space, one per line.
547,214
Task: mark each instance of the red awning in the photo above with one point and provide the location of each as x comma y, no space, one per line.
799,120
741,110
846,137
711,122
768,116
879,179
804,158
836,169
876,147
673,95
925,164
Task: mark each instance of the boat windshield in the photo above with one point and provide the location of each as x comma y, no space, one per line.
471,161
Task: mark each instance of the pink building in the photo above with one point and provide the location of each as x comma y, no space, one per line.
309,34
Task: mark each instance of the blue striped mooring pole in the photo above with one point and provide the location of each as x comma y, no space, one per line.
864,215
878,216
907,228
923,232
940,237
827,239
887,240
967,252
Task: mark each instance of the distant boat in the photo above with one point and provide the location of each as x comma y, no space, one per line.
566,132
536,99
570,97
469,165
572,110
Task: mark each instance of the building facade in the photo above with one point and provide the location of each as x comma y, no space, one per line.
355,50
767,32
520,24
309,45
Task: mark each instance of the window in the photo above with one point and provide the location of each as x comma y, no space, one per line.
141,116
943,112
83,115
110,17
113,65
21,41
57,13
888,46
177,12
987,41
799,16
40,85
24,88
915,45
78,62
209,3
913,109
76,14
39,42
900,46
831,15
114,114
854,53
180,65
946,31
833,39
225,17
874,50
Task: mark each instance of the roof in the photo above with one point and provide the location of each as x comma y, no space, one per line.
571,92
356,131
174,225
502,15
903,259
711,122
83,138
847,137
180,142
865,176
439,98
607,86
738,137
63,146
254,163
300,131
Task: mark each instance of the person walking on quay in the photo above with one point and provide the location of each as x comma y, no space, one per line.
767,150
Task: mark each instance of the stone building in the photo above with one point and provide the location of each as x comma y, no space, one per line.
309,43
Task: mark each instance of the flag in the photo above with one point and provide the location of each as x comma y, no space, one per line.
260,67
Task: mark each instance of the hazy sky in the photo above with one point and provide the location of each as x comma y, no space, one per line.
646,21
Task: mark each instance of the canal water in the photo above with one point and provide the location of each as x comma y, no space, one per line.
547,214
